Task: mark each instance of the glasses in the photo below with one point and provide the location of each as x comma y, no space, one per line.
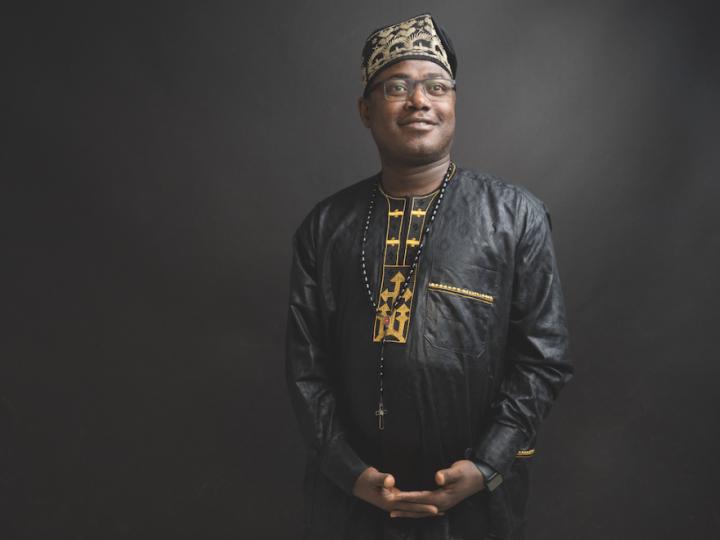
400,89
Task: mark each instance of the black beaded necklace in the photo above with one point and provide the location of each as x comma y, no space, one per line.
382,411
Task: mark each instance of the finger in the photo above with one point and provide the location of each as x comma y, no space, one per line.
413,515
414,496
417,508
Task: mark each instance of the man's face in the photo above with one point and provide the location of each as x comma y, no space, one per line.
417,130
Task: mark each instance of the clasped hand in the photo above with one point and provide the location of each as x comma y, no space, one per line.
456,483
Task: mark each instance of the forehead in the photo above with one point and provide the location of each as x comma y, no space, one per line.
415,69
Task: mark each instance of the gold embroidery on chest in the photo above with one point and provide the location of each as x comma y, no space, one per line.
467,293
396,267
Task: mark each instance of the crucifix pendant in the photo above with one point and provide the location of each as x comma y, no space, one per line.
380,413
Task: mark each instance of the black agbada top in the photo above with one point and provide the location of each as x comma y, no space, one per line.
475,353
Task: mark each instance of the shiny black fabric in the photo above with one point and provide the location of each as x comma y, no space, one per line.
473,380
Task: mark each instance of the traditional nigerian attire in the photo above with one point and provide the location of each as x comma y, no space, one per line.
475,353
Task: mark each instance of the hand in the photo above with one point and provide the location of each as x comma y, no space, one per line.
457,483
379,489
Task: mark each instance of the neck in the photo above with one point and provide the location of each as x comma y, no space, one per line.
403,180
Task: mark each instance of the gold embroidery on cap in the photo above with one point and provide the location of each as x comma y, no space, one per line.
416,36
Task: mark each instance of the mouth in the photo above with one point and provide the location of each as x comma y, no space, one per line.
418,122
418,125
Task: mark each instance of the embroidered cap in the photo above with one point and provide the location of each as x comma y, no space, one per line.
417,38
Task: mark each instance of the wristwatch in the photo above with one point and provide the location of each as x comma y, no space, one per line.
492,478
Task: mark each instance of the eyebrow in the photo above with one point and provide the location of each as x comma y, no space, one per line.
434,74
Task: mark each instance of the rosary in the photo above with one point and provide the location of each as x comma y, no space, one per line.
381,410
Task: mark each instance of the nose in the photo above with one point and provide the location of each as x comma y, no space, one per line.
418,98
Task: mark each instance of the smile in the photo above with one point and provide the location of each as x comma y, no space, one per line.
418,124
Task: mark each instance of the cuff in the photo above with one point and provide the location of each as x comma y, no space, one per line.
498,447
341,464
486,470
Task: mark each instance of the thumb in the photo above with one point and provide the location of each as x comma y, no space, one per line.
446,476
381,479
388,481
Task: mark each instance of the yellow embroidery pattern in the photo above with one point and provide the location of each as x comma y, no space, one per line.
416,36
525,453
395,326
467,293
396,267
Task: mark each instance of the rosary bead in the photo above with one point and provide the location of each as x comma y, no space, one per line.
451,168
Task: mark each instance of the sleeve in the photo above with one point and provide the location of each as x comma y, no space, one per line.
308,379
486,470
536,356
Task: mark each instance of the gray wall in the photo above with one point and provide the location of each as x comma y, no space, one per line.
158,159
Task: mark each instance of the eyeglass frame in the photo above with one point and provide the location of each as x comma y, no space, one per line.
411,91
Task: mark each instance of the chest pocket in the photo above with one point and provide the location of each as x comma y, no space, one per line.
459,308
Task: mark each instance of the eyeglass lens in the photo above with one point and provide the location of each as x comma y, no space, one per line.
402,88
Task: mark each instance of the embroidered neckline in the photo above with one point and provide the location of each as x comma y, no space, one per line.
406,197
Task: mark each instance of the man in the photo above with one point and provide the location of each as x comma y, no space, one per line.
426,333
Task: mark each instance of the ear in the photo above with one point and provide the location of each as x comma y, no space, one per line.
364,110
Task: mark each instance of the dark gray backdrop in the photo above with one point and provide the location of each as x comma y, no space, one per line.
158,158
